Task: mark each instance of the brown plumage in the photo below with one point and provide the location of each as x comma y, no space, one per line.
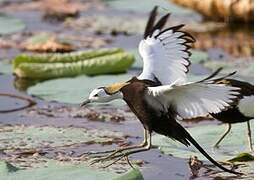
145,94
165,123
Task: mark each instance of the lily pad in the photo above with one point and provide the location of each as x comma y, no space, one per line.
198,57
58,171
74,90
93,62
233,144
243,68
134,174
30,137
146,6
6,168
10,24
5,67
243,157
110,24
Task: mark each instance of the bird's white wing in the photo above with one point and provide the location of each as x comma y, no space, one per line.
194,99
166,55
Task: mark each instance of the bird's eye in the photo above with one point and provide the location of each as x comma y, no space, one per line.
96,95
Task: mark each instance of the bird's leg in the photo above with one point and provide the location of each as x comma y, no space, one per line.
146,145
249,136
216,145
114,152
145,148
143,144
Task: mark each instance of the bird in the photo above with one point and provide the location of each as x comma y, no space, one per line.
241,111
161,95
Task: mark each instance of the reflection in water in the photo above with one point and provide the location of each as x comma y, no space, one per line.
236,40
23,84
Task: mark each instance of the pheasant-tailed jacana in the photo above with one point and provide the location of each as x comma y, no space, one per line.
242,111
161,95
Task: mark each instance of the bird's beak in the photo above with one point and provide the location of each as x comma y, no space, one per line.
85,103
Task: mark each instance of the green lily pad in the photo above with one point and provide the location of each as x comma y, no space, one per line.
28,142
134,174
243,68
6,168
54,170
93,62
29,137
10,24
74,90
5,67
198,57
146,6
233,144
111,24
242,157
39,38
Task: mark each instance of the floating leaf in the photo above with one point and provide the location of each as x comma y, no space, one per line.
30,137
244,69
5,67
233,144
57,171
146,6
6,168
63,58
10,25
198,57
72,64
243,157
110,24
73,90
134,174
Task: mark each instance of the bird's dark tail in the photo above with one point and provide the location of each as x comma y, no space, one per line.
174,130
194,142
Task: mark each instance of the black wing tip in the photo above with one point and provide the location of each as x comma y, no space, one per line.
150,22
155,8
161,22
150,27
233,73
215,73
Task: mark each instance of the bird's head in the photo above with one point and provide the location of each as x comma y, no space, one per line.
105,94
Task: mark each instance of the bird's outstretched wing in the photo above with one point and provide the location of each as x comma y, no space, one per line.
165,53
193,99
